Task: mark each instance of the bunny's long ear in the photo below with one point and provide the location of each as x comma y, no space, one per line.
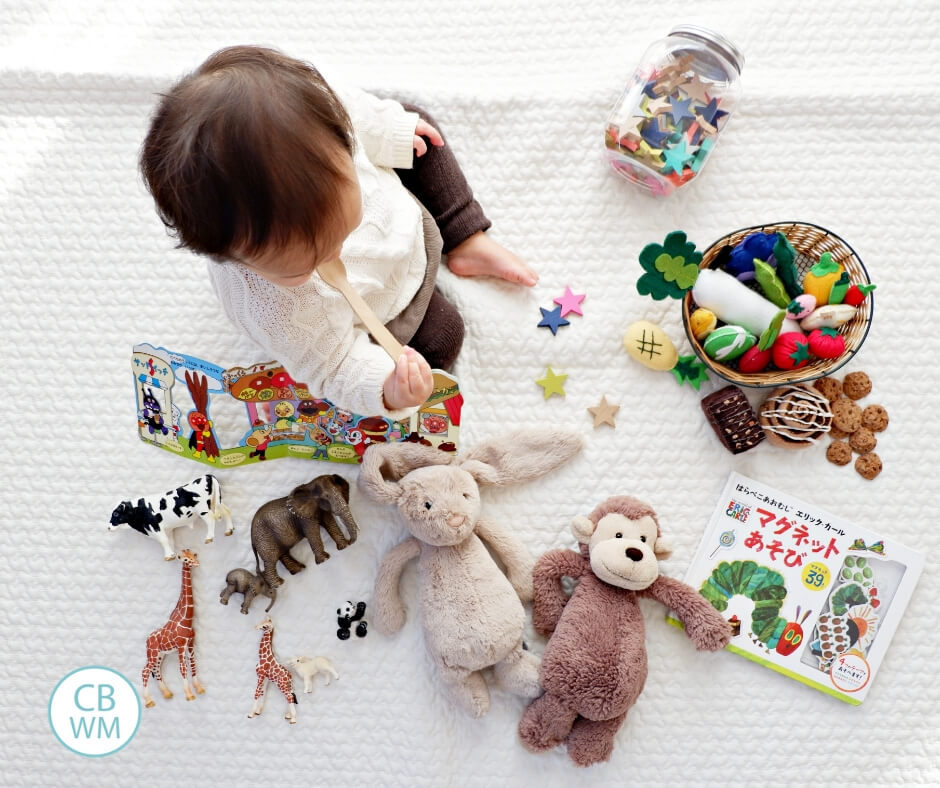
520,456
384,464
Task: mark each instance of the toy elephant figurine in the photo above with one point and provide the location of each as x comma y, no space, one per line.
241,581
280,524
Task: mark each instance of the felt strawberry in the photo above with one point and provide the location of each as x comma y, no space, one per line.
856,294
826,343
754,360
791,351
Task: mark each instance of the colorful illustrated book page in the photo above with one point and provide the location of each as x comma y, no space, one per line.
807,593
243,415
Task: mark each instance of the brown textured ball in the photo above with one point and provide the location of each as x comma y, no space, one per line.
875,418
856,385
863,441
868,465
830,388
846,415
839,452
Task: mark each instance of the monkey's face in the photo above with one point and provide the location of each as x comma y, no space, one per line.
623,551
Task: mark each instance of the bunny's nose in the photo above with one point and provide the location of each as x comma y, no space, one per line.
634,554
457,520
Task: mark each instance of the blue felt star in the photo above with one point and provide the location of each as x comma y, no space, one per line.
680,109
676,157
551,318
654,135
648,89
710,112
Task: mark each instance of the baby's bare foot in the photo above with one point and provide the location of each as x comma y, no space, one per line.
480,255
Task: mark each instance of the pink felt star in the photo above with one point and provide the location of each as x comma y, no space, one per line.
570,302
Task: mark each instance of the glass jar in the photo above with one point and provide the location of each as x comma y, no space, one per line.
681,96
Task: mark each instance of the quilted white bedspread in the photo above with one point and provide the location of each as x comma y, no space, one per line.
839,126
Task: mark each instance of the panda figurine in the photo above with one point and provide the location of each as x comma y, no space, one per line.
349,614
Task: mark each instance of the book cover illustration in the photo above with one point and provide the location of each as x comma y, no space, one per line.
807,594
177,396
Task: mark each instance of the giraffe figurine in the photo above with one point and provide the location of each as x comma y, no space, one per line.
269,669
176,635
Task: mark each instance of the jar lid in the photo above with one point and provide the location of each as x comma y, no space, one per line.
728,49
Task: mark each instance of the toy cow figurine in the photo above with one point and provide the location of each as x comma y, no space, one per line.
157,516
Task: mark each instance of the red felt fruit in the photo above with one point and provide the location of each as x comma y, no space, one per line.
826,343
855,294
791,351
754,360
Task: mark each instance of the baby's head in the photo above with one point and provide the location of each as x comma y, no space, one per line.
249,158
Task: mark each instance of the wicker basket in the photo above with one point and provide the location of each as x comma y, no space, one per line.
810,241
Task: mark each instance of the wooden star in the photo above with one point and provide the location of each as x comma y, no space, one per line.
696,88
603,412
649,156
631,127
552,383
654,107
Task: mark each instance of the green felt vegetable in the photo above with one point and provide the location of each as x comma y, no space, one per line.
671,268
772,331
840,288
689,369
785,255
770,283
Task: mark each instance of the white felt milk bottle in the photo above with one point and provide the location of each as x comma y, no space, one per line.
681,96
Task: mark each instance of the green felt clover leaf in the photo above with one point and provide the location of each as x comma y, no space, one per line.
689,369
671,267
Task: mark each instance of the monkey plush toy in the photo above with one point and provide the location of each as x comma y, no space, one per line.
595,665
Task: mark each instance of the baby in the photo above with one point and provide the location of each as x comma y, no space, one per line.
254,161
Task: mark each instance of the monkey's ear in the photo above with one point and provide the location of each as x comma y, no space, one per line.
663,548
582,528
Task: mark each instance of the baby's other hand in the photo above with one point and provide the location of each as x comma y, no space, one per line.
425,129
410,383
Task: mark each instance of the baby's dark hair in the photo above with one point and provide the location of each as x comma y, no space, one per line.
245,154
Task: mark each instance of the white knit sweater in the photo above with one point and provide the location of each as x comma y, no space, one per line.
311,329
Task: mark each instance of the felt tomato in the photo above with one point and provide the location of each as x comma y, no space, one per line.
826,343
791,351
754,360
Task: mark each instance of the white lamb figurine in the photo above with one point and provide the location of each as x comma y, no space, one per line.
308,668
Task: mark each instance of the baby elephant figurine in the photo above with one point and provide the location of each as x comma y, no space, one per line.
280,524
241,581
471,611
309,667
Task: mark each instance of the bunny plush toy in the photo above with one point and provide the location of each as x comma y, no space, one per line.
471,612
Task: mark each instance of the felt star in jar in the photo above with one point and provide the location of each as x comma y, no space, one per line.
654,107
649,156
696,88
699,159
679,109
675,157
710,113
630,128
654,135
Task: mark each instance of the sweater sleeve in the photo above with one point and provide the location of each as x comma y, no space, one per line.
385,129
314,335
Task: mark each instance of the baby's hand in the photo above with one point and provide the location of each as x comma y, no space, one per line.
425,129
410,383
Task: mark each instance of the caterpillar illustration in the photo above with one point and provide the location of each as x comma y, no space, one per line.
763,586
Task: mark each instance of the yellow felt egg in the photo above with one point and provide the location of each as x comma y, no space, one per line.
702,322
647,343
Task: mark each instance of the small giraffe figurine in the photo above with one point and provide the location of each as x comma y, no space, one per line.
269,669
176,635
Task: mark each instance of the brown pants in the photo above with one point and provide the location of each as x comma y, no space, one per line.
437,182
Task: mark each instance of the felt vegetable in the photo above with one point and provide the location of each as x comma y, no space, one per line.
702,322
728,342
768,338
801,306
671,268
758,246
826,343
735,303
840,288
770,284
689,369
831,315
856,294
821,277
785,255
647,343
791,351
754,360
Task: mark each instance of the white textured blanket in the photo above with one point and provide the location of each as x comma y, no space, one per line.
839,125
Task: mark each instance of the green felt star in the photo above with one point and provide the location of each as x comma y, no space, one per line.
801,353
671,267
689,369
676,157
